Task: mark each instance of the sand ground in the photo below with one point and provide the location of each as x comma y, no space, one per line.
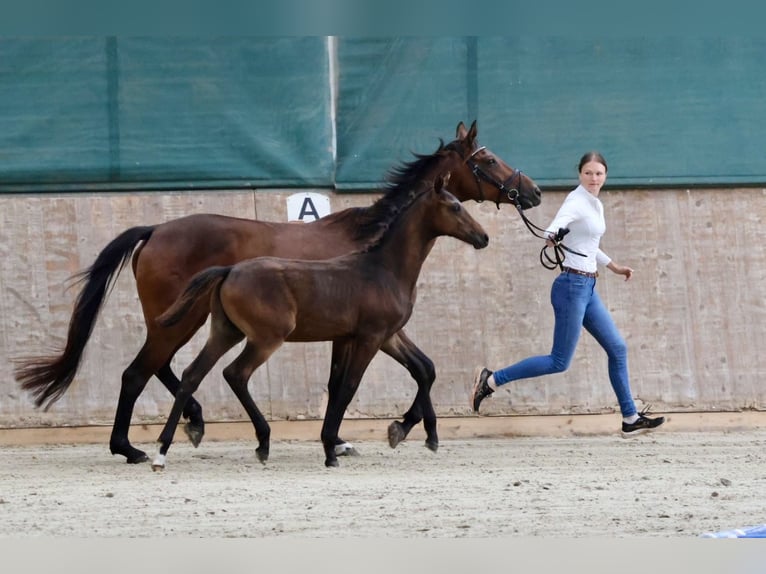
667,484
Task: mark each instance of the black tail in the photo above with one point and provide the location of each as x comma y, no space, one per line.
199,286
48,377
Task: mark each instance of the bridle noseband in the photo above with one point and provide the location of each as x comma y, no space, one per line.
479,174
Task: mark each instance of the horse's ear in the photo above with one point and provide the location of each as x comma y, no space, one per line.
461,132
473,131
445,181
440,182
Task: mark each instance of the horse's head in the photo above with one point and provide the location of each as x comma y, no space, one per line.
479,174
448,216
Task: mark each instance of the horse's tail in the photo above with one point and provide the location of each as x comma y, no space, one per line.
48,377
198,287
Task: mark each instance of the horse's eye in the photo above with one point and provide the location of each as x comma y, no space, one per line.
492,161
456,207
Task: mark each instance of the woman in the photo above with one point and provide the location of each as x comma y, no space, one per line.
576,303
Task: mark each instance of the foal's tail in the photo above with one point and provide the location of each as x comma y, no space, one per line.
48,377
201,285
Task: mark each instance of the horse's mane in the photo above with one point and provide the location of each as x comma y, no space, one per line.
403,184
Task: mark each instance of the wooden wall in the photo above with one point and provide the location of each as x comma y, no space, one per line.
694,315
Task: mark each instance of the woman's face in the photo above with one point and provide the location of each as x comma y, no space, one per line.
593,176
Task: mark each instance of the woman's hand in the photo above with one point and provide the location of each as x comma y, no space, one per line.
620,270
550,240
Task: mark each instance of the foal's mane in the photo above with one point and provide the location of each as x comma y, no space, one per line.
403,184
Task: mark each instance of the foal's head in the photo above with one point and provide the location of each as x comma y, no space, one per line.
445,215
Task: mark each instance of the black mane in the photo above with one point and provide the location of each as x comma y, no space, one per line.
403,184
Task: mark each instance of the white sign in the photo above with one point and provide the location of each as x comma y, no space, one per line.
307,206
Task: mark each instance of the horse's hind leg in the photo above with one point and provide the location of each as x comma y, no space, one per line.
153,357
134,379
405,352
195,428
191,380
237,375
217,344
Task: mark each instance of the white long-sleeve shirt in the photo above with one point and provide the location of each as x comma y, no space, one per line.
583,214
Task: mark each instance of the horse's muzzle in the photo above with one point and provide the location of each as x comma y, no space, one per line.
480,240
529,202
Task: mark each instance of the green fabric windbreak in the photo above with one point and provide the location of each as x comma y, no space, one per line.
664,111
232,109
396,97
54,124
153,113
165,111
671,111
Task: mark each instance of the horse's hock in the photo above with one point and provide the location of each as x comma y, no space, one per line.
693,328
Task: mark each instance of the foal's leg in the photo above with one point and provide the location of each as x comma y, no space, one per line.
350,360
195,428
223,336
237,374
342,447
405,352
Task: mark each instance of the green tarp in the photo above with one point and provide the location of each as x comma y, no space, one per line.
114,113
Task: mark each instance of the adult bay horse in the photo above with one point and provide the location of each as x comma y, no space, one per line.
358,301
167,255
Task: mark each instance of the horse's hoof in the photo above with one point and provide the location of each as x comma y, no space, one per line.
396,434
158,463
132,455
345,449
262,454
195,433
433,446
137,458
331,463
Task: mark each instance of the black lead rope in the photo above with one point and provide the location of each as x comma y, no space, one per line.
558,247
558,252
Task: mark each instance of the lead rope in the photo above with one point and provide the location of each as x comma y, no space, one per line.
557,260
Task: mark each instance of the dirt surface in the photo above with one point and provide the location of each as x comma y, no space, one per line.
669,484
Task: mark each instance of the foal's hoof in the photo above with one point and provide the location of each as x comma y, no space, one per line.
431,445
262,454
195,433
396,434
345,449
331,463
158,463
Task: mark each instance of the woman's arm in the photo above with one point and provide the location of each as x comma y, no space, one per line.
620,270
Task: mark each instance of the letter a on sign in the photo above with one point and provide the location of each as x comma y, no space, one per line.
308,206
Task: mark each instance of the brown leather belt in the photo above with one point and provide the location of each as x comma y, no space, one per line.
578,272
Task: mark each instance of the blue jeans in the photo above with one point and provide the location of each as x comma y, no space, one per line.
576,304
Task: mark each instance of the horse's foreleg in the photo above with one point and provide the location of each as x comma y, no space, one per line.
350,359
195,428
401,348
342,447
